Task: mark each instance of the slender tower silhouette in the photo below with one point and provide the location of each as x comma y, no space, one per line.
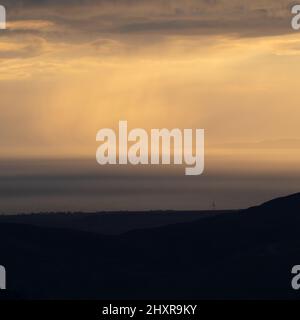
213,205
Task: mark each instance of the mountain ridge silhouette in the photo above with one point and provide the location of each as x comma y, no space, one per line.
246,254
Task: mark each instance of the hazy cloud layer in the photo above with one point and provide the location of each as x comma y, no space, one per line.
94,17
68,68
110,27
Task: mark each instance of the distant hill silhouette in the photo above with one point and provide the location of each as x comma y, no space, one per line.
110,223
289,204
247,254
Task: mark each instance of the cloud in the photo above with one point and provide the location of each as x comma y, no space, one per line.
27,48
111,28
30,25
96,18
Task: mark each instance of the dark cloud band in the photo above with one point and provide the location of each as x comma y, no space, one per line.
241,17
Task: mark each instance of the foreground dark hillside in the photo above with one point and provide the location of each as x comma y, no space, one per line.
246,254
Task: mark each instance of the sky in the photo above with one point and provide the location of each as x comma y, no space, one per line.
70,68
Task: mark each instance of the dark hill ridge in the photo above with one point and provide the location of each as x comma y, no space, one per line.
245,254
290,203
110,223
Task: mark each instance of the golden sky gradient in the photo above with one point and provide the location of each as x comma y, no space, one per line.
70,68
